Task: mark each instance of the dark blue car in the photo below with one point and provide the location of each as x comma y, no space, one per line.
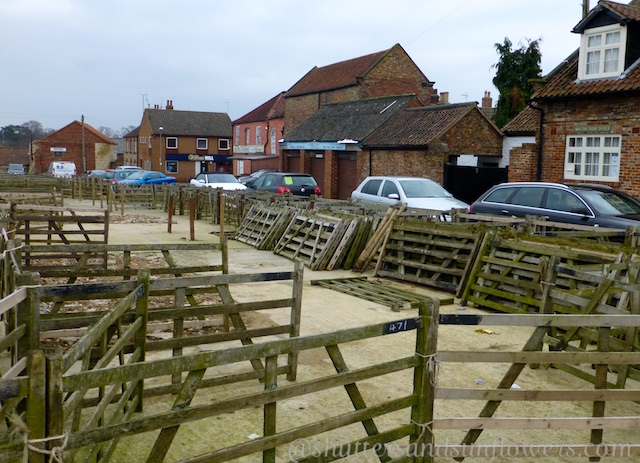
147,177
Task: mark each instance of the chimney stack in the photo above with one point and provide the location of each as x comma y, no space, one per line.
444,97
169,105
487,101
585,8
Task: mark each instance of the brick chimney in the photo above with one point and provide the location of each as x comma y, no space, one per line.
487,101
444,97
169,105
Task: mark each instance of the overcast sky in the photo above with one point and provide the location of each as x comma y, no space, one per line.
106,60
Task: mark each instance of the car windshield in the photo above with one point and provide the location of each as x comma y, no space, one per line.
138,174
423,188
221,178
611,203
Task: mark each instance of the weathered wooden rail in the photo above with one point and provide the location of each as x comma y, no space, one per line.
50,225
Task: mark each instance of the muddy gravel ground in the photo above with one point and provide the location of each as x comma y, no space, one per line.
324,311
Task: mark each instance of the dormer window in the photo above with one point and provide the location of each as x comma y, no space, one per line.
602,52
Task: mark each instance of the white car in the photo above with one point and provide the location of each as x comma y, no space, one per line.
217,180
415,192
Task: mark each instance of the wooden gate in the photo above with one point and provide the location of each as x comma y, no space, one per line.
468,183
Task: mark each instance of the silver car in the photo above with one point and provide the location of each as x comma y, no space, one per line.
415,192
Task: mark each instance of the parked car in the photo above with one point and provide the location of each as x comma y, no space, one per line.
62,169
217,180
129,168
284,182
121,174
415,192
251,178
581,204
95,173
147,177
15,169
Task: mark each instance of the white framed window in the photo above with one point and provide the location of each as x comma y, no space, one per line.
258,135
143,140
223,144
202,144
593,157
237,140
602,52
247,136
172,143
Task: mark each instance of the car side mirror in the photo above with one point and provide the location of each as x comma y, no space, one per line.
395,196
580,210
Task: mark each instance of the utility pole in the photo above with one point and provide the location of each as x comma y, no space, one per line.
84,151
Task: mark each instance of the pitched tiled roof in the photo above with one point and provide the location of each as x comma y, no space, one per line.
189,123
272,109
622,13
419,126
349,120
563,81
337,75
87,127
526,122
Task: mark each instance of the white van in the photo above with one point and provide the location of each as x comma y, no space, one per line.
62,169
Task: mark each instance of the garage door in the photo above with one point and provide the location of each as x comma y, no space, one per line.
347,175
293,161
317,170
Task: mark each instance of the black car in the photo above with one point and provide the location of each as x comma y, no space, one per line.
581,204
283,182
250,179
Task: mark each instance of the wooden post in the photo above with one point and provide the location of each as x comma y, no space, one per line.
28,314
270,409
296,317
224,247
424,382
178,329
170,213
55,396
192,218
36,403
140,339
180,201
221,221
604,334
121,188
13,220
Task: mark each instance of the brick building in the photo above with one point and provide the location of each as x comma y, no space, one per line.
256,137
388,72
343,143
77,142
184,143
590,107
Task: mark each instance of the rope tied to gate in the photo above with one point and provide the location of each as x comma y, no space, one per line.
21,429
7,251
424,427
434,367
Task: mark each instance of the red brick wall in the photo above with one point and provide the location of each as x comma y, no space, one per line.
396,74
622,114
473,135
70,138
522,163
418,163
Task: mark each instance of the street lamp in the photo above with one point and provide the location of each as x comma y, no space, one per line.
160,147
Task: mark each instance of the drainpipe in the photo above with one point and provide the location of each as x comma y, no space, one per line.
540,142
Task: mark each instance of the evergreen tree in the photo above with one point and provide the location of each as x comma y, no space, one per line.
513,72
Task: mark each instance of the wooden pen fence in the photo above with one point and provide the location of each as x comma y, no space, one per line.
56,225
